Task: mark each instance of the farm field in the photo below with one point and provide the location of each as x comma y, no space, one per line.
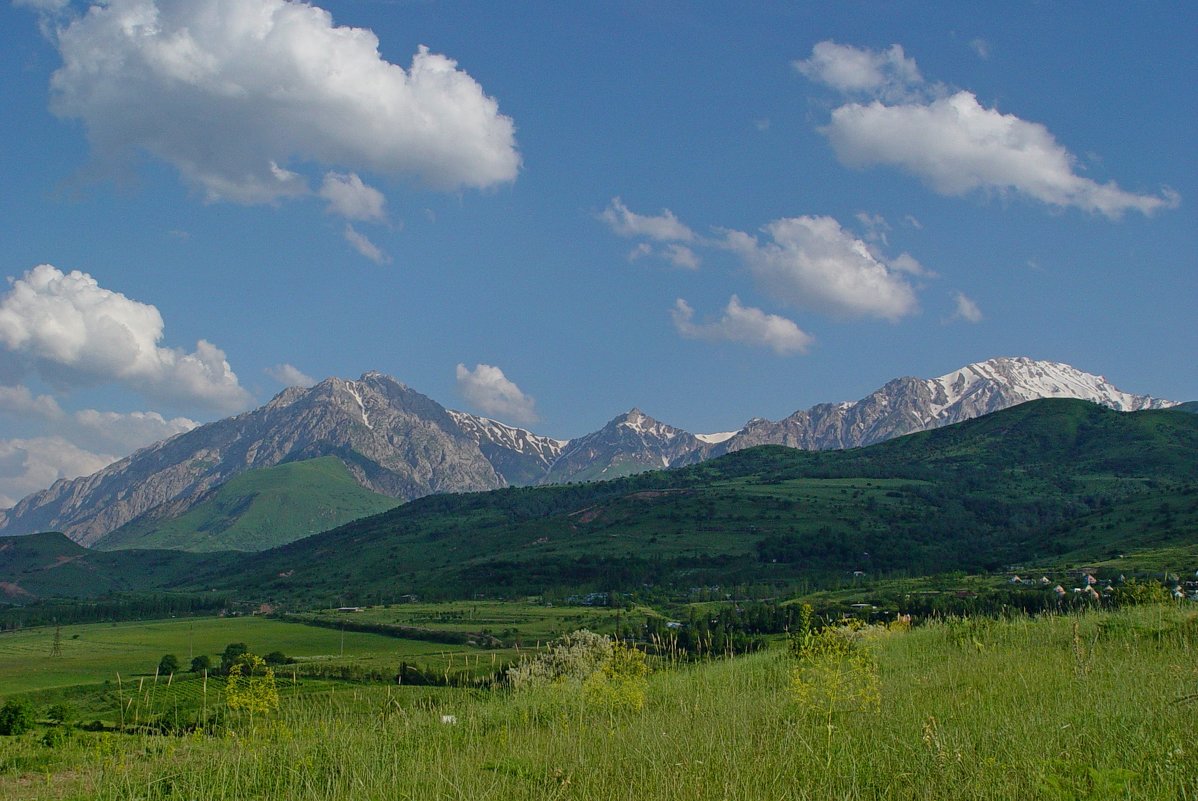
1097,705
528,622
95,653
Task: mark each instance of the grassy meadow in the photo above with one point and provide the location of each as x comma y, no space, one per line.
1099,705
527,623
93,654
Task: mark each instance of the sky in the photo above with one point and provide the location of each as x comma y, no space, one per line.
550,213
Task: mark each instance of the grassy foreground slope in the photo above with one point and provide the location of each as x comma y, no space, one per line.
257,510
1092,707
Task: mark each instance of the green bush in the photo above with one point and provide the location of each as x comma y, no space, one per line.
1138,593
233,652
56,736
60,713
16,717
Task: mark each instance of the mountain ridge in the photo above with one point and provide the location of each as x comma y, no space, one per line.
398,442
1054,481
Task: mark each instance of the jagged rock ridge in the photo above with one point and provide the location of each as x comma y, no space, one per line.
906,405
392,439
398,442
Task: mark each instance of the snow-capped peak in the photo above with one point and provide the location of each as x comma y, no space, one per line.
640,423
1005,381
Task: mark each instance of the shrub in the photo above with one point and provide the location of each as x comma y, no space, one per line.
201,663
16,717
168,665
60,713
572,657
620,684
233,651
610,676
836,672
1138,593
56,736
255,694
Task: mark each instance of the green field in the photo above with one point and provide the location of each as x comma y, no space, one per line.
96,653
1092,706
527,623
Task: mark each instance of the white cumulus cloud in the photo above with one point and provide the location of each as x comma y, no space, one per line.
76,333
242,96
491,392
290,376
955,145
856,70
124,432
29,465
743,324
21,402
349,197
948,139
813,263
663,227
70,444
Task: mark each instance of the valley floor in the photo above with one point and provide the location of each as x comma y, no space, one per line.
1097,706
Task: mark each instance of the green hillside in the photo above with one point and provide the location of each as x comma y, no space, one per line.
1048,482
1053,480
258,510
51,565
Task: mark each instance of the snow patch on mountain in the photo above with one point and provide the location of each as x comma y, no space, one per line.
486,430
716,439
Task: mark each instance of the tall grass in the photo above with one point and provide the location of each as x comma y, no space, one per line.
1090,707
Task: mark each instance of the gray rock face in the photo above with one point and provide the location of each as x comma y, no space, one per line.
398,442
520,456
906,405
392,439
631,443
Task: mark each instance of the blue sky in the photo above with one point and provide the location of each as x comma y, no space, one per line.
555,212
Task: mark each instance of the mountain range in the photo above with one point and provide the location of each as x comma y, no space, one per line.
1045,484
399,443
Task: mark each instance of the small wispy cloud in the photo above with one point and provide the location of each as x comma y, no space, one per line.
361,243
290,376
966,309
663,227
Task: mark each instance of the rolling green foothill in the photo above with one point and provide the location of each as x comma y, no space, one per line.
257,510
